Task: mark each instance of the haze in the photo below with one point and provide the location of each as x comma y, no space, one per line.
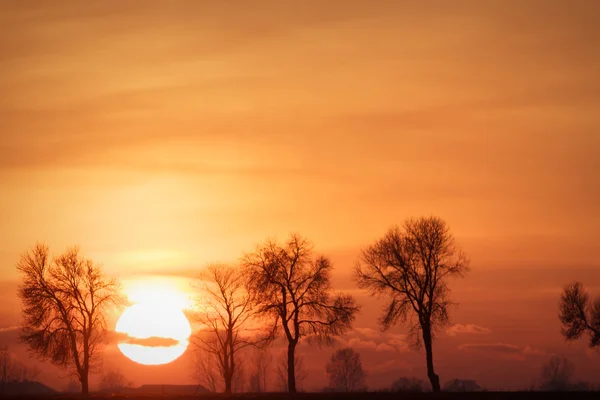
160,136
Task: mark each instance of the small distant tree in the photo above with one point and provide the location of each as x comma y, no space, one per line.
113,381
226,306
12,370
345,371
412,385
281,371
556,374
64,305
6,368
462,385
206,370
579,315
239,383
412,265
293,291
259,377
72,386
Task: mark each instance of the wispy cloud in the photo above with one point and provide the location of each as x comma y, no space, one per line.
504,350
469,328
153,341
373,340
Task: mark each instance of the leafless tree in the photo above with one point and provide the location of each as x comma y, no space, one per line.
226,312
413,385
261,362
238,382
72,386
579,315
462,385
293,291
345,371
113,381
206,370
411,264
11,370
63,306
556,374
281,371
6,368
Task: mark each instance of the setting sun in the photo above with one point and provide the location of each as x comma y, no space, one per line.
154,329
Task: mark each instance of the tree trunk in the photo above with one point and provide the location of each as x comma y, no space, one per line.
291,367
227,374
433,378
228,384
85,389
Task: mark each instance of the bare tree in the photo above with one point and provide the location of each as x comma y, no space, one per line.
206,370
281,371
579,315
64,305
72,386
411,265
11,370
293,290
238,382
113,381
403,384
345,371
556,374
462,385
6,368
226,311
260,375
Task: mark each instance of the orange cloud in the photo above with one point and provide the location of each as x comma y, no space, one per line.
154,341
504,350
470,328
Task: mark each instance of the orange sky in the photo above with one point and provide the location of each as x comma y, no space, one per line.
160,136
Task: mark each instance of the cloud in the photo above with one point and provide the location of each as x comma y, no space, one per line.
504,350
491,347
9,329
367,332
470,328
153,341
391,365
371,339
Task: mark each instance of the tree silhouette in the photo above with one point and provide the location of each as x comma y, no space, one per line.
11,370
293,290
411,265
556,374
6,368
113,381
259,376
64,305
404,384
462,385
579,315
226,308
281,371
206,370
345,371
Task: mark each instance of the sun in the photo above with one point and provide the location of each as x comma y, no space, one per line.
154,329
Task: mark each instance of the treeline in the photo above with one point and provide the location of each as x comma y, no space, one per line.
279,290
283,290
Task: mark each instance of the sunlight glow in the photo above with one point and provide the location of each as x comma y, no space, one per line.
157,291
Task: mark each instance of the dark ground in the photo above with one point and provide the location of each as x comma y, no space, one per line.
350,396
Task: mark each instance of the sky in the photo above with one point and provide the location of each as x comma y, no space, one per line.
162,136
